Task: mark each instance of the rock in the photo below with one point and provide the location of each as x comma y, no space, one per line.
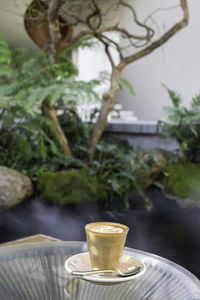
151,163
14,187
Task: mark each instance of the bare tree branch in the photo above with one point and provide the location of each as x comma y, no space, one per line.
158,10
106,106
96,13
92,17
149,30
106,45
163,39
109,97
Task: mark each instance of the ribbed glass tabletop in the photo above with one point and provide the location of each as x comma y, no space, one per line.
36,271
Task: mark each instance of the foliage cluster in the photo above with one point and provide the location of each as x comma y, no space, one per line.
113,174
184,125
182,180
116,165
27,142
69,187
28,78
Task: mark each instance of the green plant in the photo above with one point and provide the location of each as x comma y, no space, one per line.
69,187
182,180
112,164
77,132
28,78
29,141
116,168
184,125
24,143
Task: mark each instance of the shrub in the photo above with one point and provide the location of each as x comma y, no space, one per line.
29,141
72,186
184,125
116,166
182,180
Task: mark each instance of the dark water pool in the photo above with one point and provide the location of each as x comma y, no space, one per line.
168,230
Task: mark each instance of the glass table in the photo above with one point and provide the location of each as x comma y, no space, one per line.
36,271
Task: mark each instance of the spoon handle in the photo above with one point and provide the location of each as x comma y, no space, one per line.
90,272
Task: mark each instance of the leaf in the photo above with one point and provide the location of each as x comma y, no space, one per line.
56,93
195,105
115,185
5,54
104,76
147,202
194,132
22,143
124,84
64,69
53,146
5,70
29,65
42,148
85,42
174,96
38,95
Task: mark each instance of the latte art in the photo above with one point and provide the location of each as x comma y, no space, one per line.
106,229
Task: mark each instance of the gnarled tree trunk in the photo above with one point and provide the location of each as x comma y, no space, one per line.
50,112
92,24
55,43
106,106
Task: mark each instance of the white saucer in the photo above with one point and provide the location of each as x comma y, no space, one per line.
81,262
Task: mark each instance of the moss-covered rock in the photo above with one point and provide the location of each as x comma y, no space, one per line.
152,162
183,180
67,187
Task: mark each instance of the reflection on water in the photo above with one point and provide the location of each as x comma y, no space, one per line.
168,231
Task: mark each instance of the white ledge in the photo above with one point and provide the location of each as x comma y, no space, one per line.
138,127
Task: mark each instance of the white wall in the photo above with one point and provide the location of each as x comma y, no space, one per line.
12,23
176,64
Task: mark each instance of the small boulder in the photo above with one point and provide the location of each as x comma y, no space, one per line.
151,162
14,187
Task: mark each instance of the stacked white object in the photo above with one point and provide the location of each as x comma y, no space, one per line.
117,115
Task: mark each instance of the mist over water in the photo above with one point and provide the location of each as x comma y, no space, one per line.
168,230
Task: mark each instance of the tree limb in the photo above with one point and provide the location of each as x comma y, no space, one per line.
109,97
50,112
149,30
98,30
52,17
48,109
106,106
163,39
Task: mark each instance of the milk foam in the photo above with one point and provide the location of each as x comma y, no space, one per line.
106,229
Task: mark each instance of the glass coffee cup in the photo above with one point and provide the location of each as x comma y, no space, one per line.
106,241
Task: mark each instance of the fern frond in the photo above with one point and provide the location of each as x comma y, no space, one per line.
124,84
174,96
5,53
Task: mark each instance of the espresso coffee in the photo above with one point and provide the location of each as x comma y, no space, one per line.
106,242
